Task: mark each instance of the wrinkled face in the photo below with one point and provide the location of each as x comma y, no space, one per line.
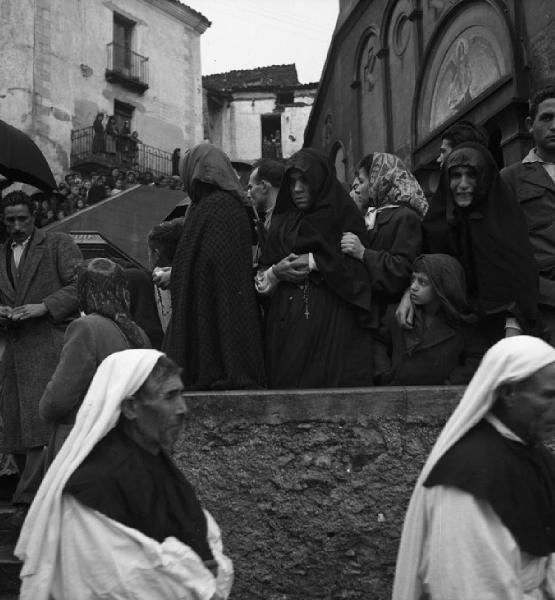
19,222
363,190
300,192
532,405
463,182
421,290
160,412
444,150
542,127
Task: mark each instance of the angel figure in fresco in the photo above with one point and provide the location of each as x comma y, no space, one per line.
459,89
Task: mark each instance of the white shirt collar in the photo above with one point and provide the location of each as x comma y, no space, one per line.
22,244
533,157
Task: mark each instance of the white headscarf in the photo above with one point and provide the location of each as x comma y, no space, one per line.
511,359
120,375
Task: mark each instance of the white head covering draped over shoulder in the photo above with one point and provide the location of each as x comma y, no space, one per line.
124,559
511,359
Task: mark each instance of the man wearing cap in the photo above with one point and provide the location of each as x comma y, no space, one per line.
481,520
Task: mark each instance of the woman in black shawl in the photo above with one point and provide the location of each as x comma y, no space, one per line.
214,333
316,334
484,227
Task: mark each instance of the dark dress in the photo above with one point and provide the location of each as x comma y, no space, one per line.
317,333
99,142
147,492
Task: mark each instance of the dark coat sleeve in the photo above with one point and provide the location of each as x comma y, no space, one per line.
73,374
473,350
63,303
392,252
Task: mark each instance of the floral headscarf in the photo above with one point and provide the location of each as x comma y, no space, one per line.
392,184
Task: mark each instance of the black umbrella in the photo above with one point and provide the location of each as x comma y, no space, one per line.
21,159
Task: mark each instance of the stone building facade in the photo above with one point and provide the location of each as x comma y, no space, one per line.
63,61
257,112
399,72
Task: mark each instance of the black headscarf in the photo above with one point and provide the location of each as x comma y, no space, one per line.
448,281
490,238
319,229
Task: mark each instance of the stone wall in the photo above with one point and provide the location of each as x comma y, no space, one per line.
310,487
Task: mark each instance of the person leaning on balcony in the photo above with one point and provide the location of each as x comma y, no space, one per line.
112,133
99,140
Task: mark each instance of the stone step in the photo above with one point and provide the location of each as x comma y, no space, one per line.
9,572
10,523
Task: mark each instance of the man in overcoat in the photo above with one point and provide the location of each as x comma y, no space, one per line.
38,298
533,181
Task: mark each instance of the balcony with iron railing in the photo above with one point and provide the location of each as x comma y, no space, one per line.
90,153
127,68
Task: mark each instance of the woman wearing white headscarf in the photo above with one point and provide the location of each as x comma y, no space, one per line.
467,531
71,551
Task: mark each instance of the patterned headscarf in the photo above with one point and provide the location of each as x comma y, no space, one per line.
102,289
392,184
208,164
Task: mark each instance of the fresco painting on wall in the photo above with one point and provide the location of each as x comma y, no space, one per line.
473,63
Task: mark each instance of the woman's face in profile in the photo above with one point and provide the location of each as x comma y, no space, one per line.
300,192
463,181
363,189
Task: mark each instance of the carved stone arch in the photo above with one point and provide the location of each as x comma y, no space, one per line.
447,88
370,31
338,156
387,16
368,81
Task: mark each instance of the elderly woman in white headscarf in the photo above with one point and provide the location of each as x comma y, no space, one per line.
114,518
481,520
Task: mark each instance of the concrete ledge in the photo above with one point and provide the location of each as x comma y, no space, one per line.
310,487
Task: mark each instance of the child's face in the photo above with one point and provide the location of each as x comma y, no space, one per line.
421,290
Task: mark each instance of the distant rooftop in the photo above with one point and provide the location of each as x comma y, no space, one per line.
202,22
272,76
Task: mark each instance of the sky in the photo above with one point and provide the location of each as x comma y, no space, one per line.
256,33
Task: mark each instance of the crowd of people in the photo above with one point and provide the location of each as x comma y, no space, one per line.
295,284
76,191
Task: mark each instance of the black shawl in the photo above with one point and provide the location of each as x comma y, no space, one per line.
517,480
490,238
140,490
215,331
319,230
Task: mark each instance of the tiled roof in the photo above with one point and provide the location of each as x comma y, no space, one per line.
192,10
272,76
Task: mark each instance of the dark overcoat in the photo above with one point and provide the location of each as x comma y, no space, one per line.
442,354
391,249
34,346
535,191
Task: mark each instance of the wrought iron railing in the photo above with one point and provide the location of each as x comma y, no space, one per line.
120,151
128,64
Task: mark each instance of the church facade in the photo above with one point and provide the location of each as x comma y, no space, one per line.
400,72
